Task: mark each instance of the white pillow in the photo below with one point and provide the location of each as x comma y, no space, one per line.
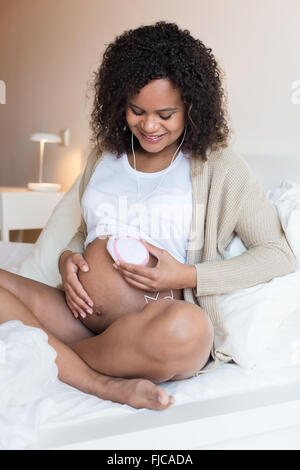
264,321
41,265
287,200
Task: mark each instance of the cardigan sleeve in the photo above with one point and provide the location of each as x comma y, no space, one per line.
76,244
268,253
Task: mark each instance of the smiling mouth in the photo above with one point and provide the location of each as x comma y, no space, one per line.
152,138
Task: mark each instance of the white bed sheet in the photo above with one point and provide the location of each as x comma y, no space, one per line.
59,404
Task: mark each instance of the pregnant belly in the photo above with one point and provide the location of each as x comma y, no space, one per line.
111,294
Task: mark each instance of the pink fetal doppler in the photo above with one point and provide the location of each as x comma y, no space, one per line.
128,249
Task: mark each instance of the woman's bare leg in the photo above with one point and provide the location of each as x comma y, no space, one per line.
72,369
167,340
48,305
11,308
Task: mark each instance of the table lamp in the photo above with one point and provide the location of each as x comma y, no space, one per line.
44,138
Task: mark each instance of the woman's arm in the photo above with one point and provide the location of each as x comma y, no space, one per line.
70,259
268,253
168,272
76,244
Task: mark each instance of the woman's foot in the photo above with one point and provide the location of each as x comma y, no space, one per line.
138,393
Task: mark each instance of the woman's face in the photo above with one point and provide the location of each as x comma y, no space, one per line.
156,116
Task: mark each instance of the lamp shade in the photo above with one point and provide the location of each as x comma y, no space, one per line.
44,137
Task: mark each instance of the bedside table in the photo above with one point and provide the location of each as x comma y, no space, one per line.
22,209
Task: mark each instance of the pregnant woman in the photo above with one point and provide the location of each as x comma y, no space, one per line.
161,170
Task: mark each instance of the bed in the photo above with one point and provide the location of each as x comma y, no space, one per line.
231,408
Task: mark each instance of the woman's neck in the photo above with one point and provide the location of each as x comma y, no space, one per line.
149,162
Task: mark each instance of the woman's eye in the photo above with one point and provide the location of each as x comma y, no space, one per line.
135,112
166,117
141,113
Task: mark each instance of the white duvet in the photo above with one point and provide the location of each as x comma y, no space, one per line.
264,327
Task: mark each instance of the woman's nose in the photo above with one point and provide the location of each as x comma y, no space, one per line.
149,125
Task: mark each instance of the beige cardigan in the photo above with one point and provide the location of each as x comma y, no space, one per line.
228,200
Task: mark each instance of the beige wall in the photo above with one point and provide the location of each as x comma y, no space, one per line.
49,49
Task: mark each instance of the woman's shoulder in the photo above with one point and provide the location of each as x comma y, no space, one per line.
95,157
227,154
229,160
227,171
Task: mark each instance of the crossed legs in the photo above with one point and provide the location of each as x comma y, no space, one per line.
167,340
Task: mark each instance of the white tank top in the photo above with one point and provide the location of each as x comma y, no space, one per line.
163,215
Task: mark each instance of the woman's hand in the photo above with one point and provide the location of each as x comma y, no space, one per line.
168,273
76,297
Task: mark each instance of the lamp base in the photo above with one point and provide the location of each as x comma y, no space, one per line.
44,187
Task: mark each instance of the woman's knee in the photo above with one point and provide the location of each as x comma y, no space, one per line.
181,329
190,329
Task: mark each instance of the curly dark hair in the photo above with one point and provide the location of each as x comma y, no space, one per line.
151,52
